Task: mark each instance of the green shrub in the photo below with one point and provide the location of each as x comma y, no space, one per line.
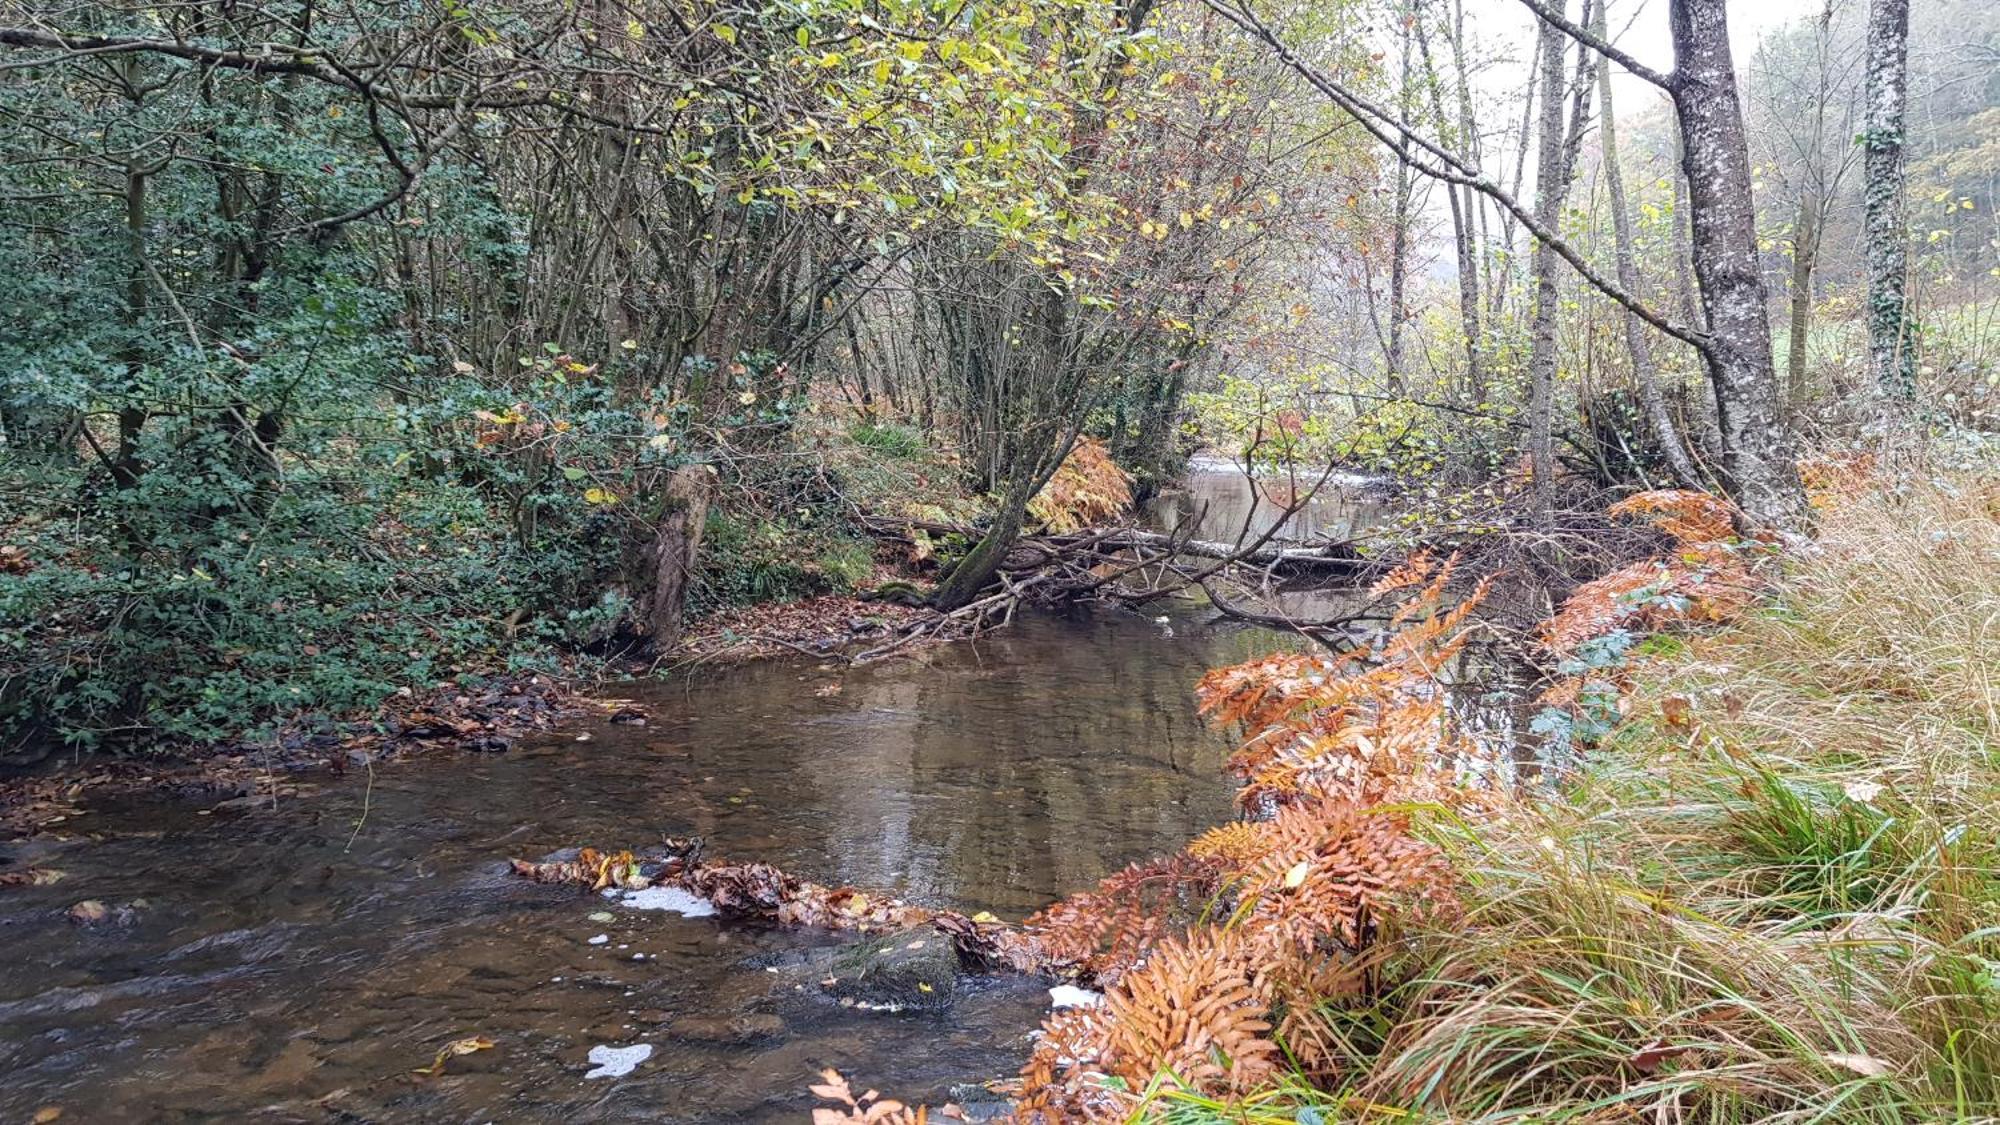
747,560
888,438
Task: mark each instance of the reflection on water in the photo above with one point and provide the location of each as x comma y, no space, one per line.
288,964
1223,503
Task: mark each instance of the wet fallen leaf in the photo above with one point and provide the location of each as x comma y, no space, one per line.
452,1049
832,1085
47,1114
30,877
1296,877
985,916
1677,711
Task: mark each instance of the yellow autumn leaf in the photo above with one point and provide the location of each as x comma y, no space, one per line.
452,1049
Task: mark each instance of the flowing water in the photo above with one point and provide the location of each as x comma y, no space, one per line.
297,963
288,963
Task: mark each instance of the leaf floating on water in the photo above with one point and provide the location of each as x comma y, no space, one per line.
30,877
47,1114
452,1049
89,912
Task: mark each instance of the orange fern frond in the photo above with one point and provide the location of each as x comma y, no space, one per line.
1688,515
1088,488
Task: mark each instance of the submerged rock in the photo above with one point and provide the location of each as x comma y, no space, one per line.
747,1027
916,968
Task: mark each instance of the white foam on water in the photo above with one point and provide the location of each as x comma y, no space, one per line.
1070,996
617,1062
681,902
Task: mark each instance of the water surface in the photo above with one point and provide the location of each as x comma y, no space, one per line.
295,964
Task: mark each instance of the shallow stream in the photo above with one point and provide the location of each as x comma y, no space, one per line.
292,964
297,963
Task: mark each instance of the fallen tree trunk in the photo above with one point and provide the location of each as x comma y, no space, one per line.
1333,556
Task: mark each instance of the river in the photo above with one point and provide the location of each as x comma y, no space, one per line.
296,963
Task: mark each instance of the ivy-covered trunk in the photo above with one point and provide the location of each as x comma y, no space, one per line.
675,550
1891,342
1758,454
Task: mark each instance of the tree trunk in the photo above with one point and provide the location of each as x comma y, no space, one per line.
1805,254
1636,339
1550,186
1399,236
1465,219
1757,445
975,572
676,547
1891,343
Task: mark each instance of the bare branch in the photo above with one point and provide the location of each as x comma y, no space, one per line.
1597,43
1407,144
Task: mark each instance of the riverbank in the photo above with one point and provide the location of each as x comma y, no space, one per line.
1770,893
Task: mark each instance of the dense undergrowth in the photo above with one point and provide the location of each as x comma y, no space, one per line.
1771,893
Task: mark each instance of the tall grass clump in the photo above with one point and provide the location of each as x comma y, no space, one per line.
1772,894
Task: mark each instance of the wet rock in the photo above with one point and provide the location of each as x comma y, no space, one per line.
90,912
977,1103
915,968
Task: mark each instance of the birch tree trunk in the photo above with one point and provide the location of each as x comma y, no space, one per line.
1758,454
1891,343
